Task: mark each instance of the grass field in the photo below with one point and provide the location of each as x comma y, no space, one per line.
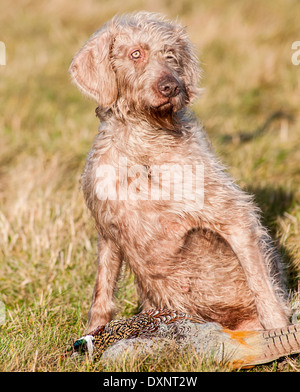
47,239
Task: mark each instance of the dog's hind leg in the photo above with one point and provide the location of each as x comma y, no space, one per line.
246,246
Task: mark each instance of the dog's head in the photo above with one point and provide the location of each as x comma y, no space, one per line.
141,64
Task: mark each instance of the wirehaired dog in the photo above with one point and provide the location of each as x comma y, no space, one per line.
192,237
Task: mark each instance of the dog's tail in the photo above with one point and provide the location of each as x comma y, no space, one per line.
249,348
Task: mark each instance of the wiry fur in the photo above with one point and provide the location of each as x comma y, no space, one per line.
214,259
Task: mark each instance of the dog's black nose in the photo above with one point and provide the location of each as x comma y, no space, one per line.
168,87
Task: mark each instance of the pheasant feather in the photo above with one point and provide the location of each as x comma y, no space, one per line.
147,331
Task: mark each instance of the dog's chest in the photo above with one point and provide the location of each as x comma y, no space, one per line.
133,190
125,198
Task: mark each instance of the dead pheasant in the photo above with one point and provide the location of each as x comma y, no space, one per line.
146,331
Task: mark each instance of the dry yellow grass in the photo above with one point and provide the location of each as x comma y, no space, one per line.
47,240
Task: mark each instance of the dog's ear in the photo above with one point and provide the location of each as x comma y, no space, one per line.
92,72
190,64
192,72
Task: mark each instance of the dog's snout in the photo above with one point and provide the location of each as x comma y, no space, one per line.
168,87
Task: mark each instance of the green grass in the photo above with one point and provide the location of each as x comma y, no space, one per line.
47,238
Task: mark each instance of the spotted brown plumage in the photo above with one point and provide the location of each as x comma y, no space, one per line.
147,331
144,325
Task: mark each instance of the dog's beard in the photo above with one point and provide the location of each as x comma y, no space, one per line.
165,117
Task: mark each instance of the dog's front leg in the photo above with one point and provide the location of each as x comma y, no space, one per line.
270,311
109,264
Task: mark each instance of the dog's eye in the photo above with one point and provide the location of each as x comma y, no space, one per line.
135,55
171,58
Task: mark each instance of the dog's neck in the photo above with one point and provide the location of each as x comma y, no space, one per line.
174,124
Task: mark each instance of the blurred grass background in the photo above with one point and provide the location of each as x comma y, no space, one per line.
47,239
